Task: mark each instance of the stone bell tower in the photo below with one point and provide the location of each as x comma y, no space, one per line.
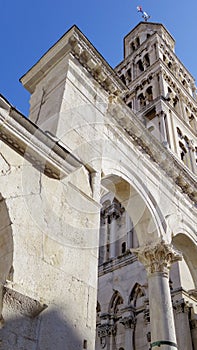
161,90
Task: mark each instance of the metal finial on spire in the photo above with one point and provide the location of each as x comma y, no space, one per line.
144,14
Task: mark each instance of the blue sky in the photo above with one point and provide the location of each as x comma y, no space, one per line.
29,28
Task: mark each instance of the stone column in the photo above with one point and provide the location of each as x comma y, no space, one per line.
163,136
96,185
193,325
182,325
113,233
192,156
129,230
129,323
106,333
103,239
157,260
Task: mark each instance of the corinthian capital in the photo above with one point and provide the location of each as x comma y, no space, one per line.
157,257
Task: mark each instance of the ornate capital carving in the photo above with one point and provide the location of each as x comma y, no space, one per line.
113,211
128,321
181,306
157,257
106,330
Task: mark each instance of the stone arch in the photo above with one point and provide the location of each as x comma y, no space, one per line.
137,200
188,248
137,303
137,292
6,248
115,301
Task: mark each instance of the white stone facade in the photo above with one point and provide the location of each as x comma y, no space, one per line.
95,142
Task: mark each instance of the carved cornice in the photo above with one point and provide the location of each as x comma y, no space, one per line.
34,145
89,57
193,293
144,141
75,42
157,257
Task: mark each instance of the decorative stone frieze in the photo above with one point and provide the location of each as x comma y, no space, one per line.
158,257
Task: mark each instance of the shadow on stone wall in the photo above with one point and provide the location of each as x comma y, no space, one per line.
48,331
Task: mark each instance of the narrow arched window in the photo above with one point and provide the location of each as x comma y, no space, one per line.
124,247
140,66
146,60
149,93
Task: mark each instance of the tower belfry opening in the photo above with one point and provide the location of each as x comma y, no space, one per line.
161,87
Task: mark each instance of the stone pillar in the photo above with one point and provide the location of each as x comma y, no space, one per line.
157,260
129,323
129,230
106,333
163,136
103,239
182,325
113,233
96,185
193,326
192,156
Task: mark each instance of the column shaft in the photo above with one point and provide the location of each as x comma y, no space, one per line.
113,238
161,312
157,259
182,325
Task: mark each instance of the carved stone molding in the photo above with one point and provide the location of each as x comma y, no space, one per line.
128,321
106,329
193,293
85,53
39,148
114,211
181,306
158,257
143,140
